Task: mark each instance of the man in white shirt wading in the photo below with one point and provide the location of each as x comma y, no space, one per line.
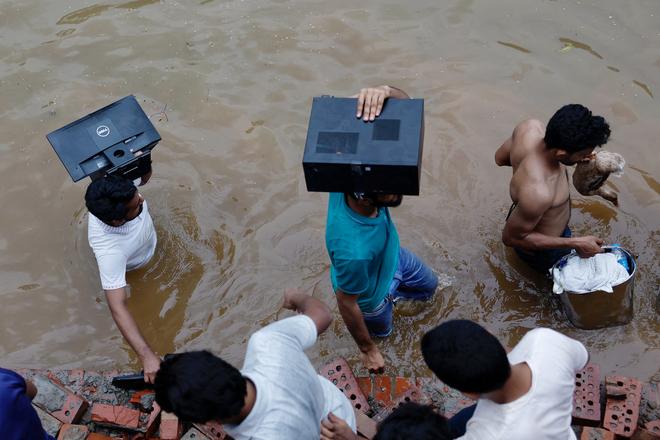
122,236
527,394
277,395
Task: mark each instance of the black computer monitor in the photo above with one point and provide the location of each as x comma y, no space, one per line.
345,154
116,139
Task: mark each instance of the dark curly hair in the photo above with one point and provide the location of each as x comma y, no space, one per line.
199,387
465,356
573,128
413,421
107,198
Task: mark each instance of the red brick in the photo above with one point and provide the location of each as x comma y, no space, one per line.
60,402
97,436
170,426
365,384
622,414
339,373
413,394
643,434
586,396
195,434
212,430
115,416
73,432
136,396
383,389
402,385
67,378
590,433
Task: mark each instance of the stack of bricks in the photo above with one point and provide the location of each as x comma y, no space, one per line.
84,405
372,398
615,411
621,399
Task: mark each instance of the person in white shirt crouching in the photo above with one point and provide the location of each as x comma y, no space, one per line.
277,395
123,237
527,394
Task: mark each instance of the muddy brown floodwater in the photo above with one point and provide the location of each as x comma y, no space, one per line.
229,86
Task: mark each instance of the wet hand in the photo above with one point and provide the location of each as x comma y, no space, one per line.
290,296
588,246
334,428
370,102
373,360
150,365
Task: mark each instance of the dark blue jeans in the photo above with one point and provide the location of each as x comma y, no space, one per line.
458,423
412,280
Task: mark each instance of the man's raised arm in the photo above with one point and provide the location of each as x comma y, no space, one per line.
316,309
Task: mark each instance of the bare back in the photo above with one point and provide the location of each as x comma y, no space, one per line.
539,186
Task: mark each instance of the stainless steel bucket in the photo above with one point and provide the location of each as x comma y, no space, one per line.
600,309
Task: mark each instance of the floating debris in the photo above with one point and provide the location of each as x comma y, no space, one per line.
515,46
255,124
644,87
570,44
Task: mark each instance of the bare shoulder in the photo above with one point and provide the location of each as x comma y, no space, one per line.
529,127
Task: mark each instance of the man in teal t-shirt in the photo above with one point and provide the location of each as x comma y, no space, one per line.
369,270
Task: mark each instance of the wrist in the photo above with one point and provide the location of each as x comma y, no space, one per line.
146,354
366,348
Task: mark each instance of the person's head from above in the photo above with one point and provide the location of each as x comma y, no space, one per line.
465,356
114,200
199,387
376,200
574,133
413,421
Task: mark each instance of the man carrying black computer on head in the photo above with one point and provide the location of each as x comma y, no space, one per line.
369,271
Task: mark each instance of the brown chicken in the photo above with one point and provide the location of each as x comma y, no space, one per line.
589,177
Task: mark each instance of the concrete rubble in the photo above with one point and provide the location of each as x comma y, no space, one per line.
84,405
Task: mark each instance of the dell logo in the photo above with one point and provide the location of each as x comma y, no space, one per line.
103,130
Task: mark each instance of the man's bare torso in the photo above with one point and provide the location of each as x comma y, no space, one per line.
530,168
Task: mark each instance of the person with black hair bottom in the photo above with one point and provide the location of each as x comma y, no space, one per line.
527,394
122,235
277,395
537,223
407,422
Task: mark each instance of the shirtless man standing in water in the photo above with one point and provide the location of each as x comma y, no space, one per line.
537,223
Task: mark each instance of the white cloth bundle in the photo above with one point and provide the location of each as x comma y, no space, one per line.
584,275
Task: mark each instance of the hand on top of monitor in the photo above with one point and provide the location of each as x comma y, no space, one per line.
145,177
371,100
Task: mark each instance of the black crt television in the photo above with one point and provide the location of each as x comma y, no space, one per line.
116,139
345,154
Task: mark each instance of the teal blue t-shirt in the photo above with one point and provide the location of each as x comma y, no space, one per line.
364,252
